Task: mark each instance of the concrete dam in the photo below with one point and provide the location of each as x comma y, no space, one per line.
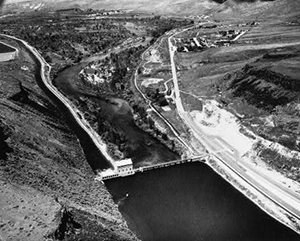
125,167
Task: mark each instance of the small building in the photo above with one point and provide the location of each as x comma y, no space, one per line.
121,168
125,167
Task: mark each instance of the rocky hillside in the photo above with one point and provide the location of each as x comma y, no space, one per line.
249,62
269,82
270,92
265,91
228,8
255,9
178,7
47,188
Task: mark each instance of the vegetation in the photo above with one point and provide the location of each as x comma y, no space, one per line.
68,42
119,85
156,96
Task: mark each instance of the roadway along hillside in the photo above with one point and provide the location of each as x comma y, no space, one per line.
172,128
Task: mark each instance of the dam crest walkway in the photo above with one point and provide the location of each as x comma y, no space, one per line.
127,170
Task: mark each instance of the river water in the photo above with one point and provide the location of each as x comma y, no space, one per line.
93,155
186,202
191,202
140,146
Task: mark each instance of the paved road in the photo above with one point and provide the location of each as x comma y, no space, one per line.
175,132
287,199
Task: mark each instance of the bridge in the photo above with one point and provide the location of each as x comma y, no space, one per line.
171,163
125,168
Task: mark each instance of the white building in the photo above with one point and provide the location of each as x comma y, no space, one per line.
122,168
125,167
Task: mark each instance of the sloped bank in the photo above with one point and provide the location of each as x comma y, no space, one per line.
47,159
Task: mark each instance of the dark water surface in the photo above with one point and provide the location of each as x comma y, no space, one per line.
94,156
4,148
140,146
191,202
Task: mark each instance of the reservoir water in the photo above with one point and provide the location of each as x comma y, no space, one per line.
185,202
191,202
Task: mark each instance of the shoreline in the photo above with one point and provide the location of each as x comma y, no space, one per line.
259,199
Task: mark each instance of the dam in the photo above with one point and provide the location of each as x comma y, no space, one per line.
125,167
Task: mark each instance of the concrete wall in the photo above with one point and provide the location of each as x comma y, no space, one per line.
8,55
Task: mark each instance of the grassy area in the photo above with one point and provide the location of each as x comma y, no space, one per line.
191,102
252,77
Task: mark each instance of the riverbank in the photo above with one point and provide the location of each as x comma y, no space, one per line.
259,199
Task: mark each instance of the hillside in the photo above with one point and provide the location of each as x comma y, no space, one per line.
249,62
265,89
178,7
219,9
250,10
269,90
47,187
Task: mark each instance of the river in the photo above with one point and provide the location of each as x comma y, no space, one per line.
186,202
140,146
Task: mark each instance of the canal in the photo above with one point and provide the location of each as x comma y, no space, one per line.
94,156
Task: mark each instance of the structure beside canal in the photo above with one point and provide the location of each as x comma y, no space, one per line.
125,167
